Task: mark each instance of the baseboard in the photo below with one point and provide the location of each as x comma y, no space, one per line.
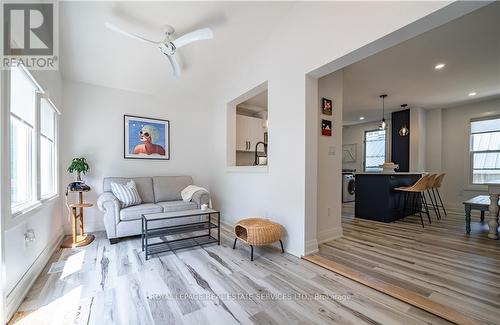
16,296
311,247
226,227
329,234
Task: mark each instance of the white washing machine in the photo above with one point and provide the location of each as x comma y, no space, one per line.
348,187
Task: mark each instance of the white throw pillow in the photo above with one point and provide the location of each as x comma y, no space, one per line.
126,194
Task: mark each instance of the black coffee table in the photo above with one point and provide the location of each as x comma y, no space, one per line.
157,226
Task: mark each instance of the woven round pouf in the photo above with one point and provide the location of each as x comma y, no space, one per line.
258,232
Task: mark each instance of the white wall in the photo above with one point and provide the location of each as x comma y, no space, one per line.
434,139
284,58
329,195
93,128
23,261
455,130
417,139
355,134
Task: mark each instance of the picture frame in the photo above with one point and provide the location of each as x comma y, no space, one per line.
349,153
146,138
326,106
326,128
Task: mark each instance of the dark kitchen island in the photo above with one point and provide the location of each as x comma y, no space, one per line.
376,198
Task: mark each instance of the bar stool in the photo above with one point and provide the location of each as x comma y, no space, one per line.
416,192
435,189
430,185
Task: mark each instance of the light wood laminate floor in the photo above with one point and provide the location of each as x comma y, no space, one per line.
438,262
114,284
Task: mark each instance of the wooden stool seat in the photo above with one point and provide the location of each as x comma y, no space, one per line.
257,231
418,187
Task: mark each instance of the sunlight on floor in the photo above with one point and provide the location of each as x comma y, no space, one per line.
73,264
64,310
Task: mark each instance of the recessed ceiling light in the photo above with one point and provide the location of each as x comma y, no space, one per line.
361,118
439,66
472,93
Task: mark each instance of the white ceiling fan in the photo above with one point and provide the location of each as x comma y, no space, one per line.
168,45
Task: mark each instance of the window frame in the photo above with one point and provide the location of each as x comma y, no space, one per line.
55,153
31,168
472,152
38,201
364,148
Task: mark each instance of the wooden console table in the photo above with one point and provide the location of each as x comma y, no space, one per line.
76,216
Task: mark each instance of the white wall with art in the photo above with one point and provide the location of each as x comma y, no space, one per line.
95,127
329,196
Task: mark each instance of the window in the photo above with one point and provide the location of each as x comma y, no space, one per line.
32,142
22,135
374,150
47,149
485,150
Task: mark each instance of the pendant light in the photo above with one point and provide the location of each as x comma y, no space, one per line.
383,123
404,131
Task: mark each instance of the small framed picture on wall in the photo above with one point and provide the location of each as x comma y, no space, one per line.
326,128
146,138
326,106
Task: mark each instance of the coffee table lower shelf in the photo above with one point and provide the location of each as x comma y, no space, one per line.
162,244
184,243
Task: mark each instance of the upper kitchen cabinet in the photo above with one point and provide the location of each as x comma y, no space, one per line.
249,132
252,131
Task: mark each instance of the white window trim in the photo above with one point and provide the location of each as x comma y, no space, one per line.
471,186
22,212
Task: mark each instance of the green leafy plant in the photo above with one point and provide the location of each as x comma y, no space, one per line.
79,165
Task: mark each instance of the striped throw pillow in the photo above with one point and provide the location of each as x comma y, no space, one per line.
126,194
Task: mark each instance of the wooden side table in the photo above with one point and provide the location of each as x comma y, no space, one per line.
76,209
481,203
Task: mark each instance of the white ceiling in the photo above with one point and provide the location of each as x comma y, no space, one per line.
93,54
470,48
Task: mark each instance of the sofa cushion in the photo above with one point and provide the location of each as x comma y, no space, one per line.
144,186
171,206
136,211
168,188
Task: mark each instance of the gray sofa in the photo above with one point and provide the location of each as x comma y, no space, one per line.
158,194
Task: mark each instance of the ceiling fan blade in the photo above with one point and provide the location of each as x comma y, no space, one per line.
175,65
121,31
197,35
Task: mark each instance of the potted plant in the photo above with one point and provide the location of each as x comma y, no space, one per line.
79,165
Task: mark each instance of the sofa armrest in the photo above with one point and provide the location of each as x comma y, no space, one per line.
201,197
111,206
105,198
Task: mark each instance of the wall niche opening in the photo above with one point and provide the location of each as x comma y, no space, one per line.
248,129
